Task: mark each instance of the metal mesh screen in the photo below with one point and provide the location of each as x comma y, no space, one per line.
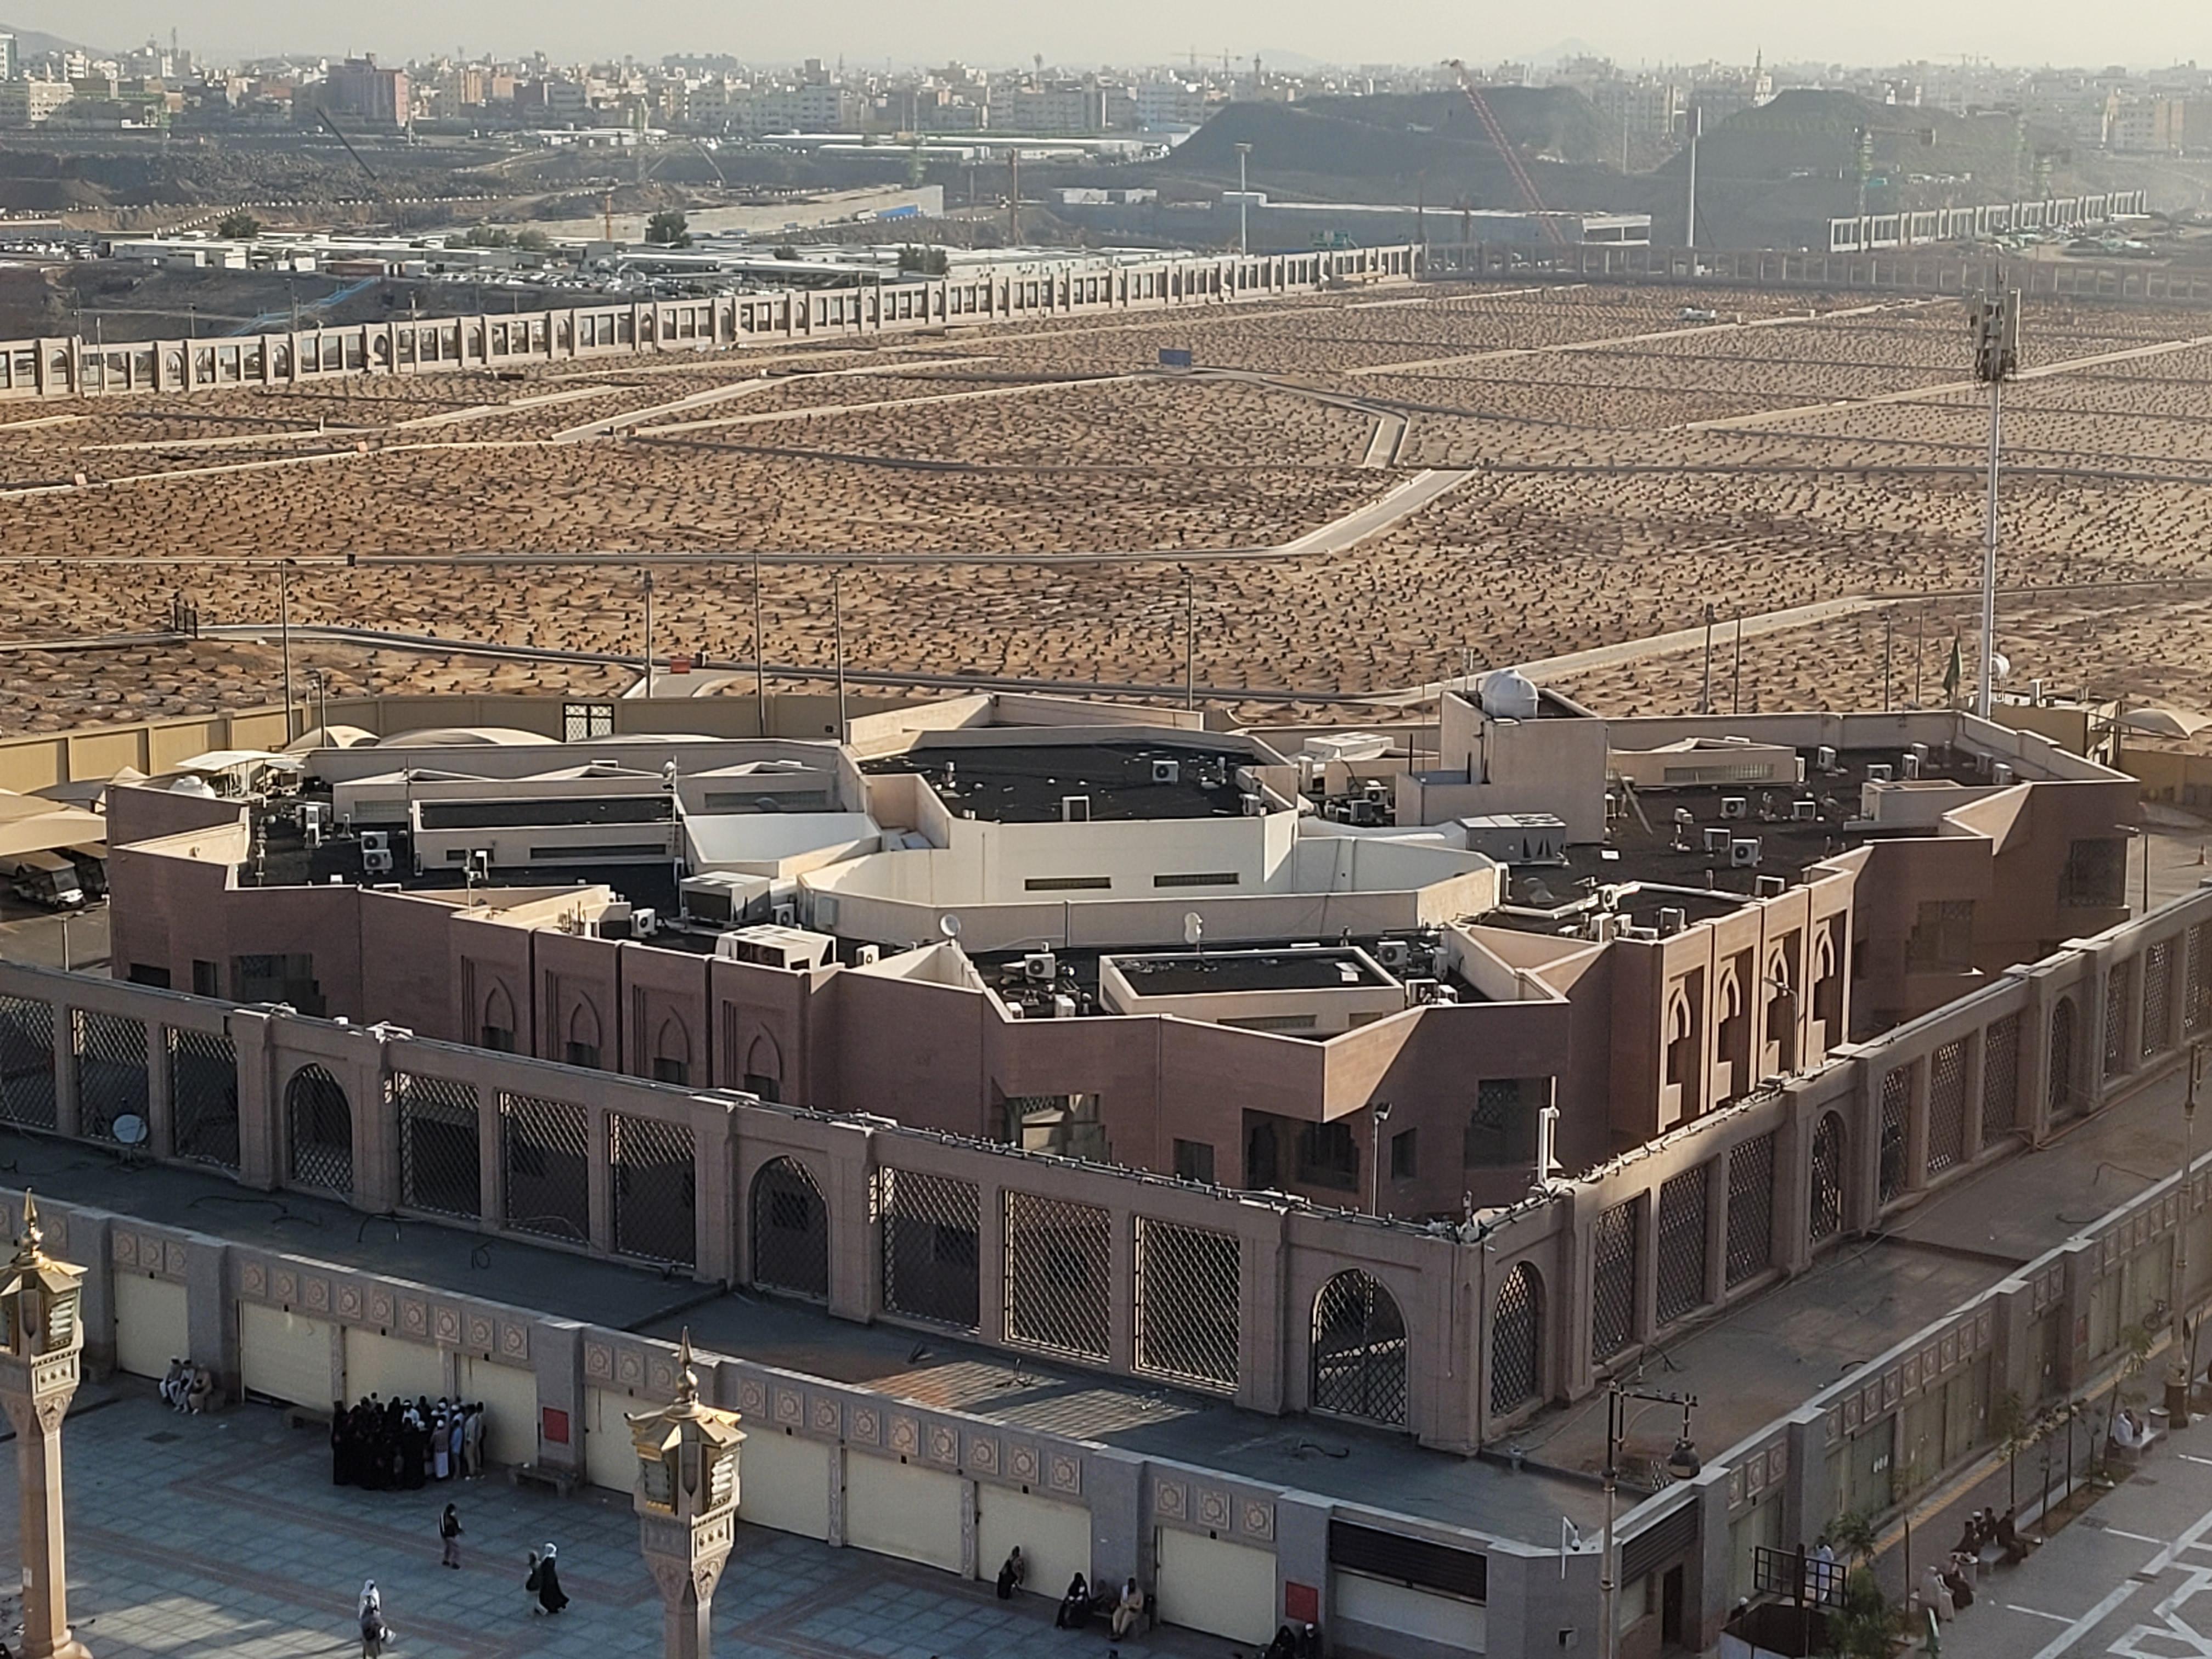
1516,1341
930,1224
1188,1280
27,1062
1751,1208
203,1096
319,1130
1946,1107
2117,985
544,1146
441,1165
1059,1269
790,1230
1896,1118
2000,1076
1682,1243
2158,994
1359,1350
1825,1213
2065,1097
1613,1279
2197,1004
655,1195
111,1071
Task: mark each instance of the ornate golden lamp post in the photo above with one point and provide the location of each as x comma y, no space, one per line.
40,1337
687,1504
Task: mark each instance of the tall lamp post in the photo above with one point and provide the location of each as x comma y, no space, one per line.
687,1505
1682,1462
1243,203
40,1339
2177,1375
1994,318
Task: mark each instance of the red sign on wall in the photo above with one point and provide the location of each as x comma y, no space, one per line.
555,1430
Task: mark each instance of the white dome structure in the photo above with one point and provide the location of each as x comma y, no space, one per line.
1507,693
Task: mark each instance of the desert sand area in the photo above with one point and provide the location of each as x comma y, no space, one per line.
1346,497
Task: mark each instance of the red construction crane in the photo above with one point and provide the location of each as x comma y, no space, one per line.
1531,197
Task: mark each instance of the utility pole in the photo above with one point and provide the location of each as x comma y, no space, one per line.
648,636
1380,1112
1243,203
284,632
1697,119
1013,198
1735,689
1189,639
1888,643
837,631
760,650
1994,317
1706,696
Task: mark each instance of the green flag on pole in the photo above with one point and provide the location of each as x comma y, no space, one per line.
1955,673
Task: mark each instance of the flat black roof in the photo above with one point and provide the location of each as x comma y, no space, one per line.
1210,972
1026,783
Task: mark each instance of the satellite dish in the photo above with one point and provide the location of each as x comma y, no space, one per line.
1193,928
949,926
130,1130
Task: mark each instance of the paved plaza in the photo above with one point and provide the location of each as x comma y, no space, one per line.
223,1534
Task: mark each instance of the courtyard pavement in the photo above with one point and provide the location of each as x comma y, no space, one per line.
223,1534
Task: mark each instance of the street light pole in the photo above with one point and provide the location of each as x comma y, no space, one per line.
1381,1113
284,632
1189,640
837,627
1995,318
1243,203
1682,1463
760,651
648,636
2177,1377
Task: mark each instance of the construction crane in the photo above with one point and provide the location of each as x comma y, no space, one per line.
324,115
1531,197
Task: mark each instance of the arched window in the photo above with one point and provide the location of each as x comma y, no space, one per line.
1826,1218
583,1047
1516,1341
672,1053
1359,1350
764,1068
497,1032
1782,1011
790,1230
319,1122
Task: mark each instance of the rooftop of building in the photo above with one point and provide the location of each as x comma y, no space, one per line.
1203,973
1032,783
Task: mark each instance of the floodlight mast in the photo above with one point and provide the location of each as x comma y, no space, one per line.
1994,319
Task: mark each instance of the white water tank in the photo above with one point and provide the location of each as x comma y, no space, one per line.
1507,693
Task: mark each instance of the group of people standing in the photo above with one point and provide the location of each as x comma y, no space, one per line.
399,1444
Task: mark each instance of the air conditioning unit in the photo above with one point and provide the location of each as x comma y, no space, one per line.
1804,811
1685,817
1254,806
1716,840
1673,921
2000,775
1063,1007
1040,967
1824,757
1364,814
1167,771
618,921
1396,954
1735,806
1919,752
867,955
1421,992
1640,935
785,915
1912,769
645,922
1881,772
376,861
1743,852
376,841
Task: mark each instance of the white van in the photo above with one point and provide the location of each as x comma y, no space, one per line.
46,878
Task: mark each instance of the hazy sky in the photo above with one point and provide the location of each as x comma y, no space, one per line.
997,32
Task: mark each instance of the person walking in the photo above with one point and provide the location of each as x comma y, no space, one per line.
374,1635
545,1581
449,1534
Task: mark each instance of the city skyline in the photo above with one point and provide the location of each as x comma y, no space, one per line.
1888,32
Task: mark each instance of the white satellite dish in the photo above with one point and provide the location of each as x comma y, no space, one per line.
949,926
130,1130
1193,928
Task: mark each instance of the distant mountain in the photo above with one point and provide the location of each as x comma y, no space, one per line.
33,43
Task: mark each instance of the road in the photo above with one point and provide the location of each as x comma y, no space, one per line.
76,939
2125,1579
